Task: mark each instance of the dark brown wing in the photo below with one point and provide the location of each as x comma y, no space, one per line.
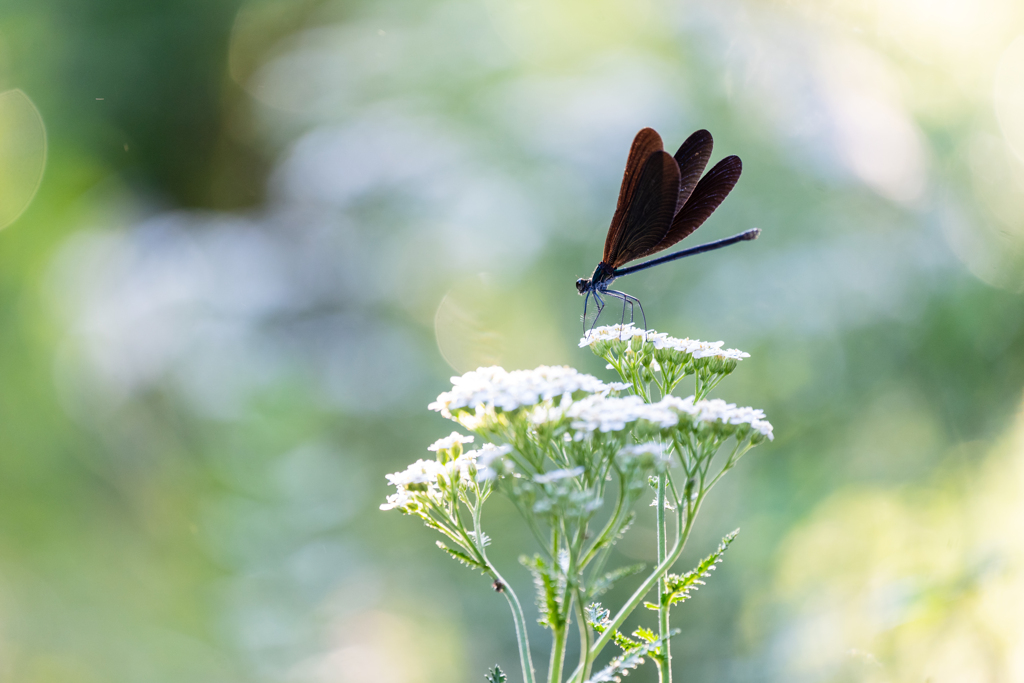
649,213
693,156
706,197
646,143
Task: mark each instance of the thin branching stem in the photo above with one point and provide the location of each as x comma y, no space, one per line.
664,660
609,528
690,512
584,629
522,639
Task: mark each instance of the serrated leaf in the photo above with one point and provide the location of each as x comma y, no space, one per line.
645,634
483,541
625,643
549,583
678,587
496,675
597,616
627,661
462,557
599,619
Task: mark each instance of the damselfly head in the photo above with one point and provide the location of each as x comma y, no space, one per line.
582,285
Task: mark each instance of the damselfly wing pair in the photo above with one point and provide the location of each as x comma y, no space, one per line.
662,200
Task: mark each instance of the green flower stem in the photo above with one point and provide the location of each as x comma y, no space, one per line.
736,454
665,660
584,628
557,655
645,587
675,493
608,529
518,618
520,622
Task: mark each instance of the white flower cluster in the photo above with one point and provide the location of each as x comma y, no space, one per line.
661,340
611,414
696,348
447,442
717,410
425,477
419,473
603,413
418,478
612,333
499,388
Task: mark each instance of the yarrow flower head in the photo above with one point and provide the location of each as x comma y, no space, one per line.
450,447
612,333
716,410
696,348
415,484
496,388
638,354
660,340
425,481
449,441
416,476
600,413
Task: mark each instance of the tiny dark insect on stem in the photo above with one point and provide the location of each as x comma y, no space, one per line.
663,199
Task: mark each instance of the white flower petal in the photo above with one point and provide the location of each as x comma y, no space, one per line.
449,441
495,387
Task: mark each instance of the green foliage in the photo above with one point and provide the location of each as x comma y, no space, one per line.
550,586
629,660
462,557
599,619
645,634
679,586
496,675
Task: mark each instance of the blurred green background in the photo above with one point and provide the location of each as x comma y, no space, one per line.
247,242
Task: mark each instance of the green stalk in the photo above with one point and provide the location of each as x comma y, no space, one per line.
557,656
645,587
520,623
560,628
585,661
608,528
518,618
665,660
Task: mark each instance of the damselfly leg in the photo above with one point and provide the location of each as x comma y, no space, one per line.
631,300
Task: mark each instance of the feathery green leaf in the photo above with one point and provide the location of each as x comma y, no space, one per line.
627,661
678,587
549,582
462,557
